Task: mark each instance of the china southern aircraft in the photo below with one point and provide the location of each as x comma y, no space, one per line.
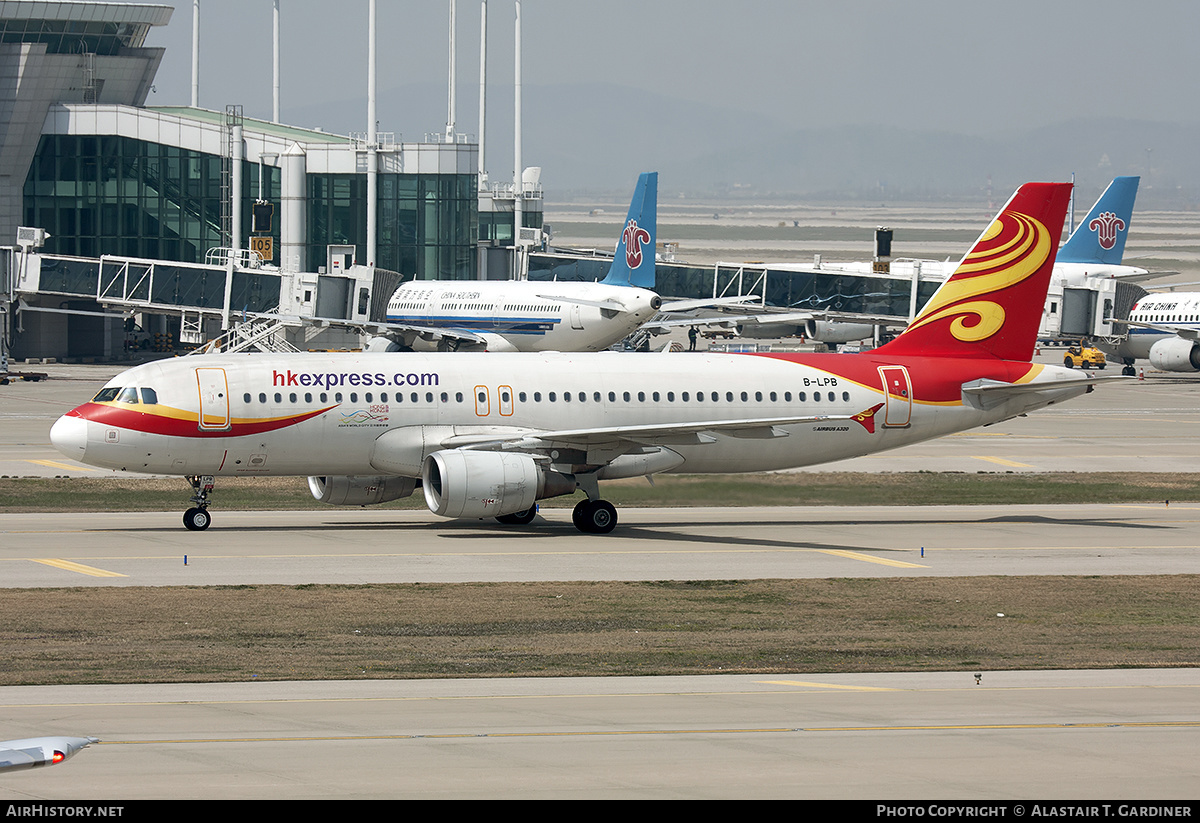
488,435
526,315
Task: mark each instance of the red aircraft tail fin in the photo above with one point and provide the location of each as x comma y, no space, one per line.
992,305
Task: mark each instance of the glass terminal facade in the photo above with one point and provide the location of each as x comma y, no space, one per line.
428,223
104,194
98,194
75,36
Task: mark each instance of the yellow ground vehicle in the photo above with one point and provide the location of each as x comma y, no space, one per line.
1084,356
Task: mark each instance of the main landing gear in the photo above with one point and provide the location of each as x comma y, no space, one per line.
589,516
594,516
197,518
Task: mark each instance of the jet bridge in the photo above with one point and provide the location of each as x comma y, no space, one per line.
1089,307
60,306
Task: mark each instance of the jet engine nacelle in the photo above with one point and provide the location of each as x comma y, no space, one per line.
384,344
1175,354
464,483
768,331
360,490
496,342
833,332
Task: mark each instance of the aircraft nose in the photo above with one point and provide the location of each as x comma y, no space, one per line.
69,436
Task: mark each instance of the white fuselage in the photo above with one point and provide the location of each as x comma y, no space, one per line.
527,315
1177,310
308,414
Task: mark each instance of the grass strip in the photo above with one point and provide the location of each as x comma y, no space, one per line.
237,633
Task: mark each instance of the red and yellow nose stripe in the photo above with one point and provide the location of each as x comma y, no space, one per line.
172,422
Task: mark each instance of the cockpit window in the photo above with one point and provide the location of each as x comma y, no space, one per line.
128,395
107,395
149,397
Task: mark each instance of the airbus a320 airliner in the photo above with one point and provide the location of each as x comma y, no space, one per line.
489,434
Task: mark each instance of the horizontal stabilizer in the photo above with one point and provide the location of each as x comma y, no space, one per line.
988,394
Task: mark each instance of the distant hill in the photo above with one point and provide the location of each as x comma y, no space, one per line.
596,138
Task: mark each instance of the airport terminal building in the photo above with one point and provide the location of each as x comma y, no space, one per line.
193,220
104,176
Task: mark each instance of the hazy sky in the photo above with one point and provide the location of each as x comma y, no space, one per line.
969,67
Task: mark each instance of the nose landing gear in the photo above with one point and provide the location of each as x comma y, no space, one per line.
197,518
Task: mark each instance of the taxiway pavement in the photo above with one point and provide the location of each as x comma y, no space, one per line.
1061,735
393,546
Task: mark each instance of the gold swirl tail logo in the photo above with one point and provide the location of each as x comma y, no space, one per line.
1012,249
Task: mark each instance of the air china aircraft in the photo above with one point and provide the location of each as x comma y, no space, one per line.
488,435
525,315
1164,328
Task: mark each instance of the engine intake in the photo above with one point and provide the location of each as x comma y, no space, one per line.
1175,354
463,483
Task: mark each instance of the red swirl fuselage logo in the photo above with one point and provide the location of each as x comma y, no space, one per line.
1106,226
633,237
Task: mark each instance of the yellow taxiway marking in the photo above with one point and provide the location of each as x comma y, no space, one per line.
1165,724
67,565
808,684
867,558
1002,461
51,464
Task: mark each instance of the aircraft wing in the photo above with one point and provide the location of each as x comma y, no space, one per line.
32,752
708,303
768,318
625,438
732,320
430,332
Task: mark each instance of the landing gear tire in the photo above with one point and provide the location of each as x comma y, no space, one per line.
595,516
1128,371
518,518
196,519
